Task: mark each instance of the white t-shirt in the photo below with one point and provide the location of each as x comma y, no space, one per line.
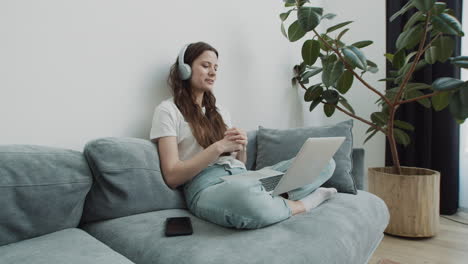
169,121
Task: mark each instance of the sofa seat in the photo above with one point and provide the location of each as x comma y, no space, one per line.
70,246
344,229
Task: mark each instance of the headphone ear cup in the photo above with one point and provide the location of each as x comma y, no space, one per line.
184,68
185,71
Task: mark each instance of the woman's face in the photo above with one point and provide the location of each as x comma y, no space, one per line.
204,71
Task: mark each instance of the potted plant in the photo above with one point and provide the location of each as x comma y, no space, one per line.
412,194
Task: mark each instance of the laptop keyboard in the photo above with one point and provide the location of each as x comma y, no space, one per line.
270,183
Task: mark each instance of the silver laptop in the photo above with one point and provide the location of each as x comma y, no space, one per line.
311,159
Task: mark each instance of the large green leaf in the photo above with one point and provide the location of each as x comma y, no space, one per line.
283,31
328,109
414,94
314,92
446,84
312,72
410,38
417,86
404,70
314,104
331,96
403,10
399,59
295,31
326,39
284,16
310,51
401,137
438,8
345,82
448,24
328,16
410,56
444,47
460,61
331,73
389,57
341,34
440,100
431,55
338,26
456,106
403,125
416,17
370,129
362,44
355,57
379,118
346,105
371,135
372,67
464,93
309,17
424,5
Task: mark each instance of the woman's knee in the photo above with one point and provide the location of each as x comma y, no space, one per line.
261,208
330,168
242,204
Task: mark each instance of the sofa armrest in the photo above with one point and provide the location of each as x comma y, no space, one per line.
358,169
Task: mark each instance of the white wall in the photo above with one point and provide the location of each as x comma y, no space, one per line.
72,71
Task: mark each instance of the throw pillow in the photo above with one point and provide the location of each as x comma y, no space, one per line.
275,145
127,180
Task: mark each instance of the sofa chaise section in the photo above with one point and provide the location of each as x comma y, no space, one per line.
344,229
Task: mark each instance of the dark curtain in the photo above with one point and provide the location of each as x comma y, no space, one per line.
435,141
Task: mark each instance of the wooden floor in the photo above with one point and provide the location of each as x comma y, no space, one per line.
449,246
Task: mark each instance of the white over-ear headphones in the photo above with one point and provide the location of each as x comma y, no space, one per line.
184,69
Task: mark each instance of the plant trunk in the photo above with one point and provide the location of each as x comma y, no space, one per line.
392,141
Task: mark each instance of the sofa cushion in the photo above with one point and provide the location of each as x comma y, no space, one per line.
251,149
275,145
42,190
345,229
127,178
71,246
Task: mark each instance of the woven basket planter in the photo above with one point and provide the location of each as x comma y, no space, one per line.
412,199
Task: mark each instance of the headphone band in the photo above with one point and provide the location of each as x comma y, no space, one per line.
182,54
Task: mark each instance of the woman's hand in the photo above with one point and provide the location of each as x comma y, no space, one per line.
227,145
237,135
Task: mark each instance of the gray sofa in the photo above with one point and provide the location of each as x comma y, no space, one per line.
109,205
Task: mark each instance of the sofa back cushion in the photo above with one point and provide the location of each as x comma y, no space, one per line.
275,145
42,190
251,149
127,180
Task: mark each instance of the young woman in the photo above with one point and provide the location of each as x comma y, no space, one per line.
197,145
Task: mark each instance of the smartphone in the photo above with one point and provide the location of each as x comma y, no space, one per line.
178,226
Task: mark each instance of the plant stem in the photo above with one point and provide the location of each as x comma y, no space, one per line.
417,98
351,69
350,114
360,119
415,62
396,102
432,40
392,142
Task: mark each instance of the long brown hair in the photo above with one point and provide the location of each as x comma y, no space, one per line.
206,128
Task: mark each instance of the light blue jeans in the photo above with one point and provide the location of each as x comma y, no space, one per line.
243,203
